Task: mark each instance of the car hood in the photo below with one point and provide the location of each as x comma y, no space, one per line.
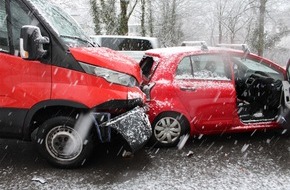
107,58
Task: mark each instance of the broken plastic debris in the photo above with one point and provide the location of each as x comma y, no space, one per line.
39,179
127,154
190,153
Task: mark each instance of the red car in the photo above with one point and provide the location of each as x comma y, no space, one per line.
201,90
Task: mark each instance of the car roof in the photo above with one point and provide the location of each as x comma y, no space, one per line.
189,50
160,52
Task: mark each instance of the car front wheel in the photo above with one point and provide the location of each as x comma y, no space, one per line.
62,145
168,128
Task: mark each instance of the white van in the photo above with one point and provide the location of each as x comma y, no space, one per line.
133,46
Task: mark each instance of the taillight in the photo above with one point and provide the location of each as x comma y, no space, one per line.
146,89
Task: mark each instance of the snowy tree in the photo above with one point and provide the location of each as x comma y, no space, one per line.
168,21
125,15
104,16
143,16
217,21
233,18
96,18
262,39
109,18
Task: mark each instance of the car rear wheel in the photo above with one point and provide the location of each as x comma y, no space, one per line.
62,145
168,128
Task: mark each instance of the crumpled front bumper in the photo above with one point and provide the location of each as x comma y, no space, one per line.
134,126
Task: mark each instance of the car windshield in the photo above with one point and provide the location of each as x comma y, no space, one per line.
63,24
256,66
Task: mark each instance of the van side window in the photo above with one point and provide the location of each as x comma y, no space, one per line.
20,16
4,45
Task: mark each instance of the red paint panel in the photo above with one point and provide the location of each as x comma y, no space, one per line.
23,83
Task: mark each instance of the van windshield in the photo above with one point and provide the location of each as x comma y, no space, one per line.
63,24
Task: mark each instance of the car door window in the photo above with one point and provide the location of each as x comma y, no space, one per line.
210,67
184,69
4,45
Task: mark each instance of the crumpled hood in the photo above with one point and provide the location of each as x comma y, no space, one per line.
107,58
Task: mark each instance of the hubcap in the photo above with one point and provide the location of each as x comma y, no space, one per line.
63,143
167,130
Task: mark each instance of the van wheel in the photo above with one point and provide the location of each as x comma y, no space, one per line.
61,144
168,128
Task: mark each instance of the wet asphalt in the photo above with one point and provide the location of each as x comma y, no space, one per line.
257,160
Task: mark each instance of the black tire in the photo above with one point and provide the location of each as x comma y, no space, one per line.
167,128
53,138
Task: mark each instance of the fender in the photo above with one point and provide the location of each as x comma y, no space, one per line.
46,104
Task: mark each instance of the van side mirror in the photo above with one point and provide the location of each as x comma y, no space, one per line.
31,43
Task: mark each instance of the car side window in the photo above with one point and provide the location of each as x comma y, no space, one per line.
20,16
4,45
211,67
184,69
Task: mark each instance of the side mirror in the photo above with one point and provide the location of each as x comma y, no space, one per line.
31,43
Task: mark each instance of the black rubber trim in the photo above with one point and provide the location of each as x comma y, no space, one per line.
114,105
11,122
47,104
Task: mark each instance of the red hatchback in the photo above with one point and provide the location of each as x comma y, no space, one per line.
201,90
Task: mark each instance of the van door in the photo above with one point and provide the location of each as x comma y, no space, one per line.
284,116
23,83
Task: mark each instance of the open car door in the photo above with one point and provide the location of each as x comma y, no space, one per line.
284,116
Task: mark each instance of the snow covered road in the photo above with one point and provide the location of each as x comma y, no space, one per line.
242,161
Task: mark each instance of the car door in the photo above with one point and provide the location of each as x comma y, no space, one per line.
205,87
284,115
23,83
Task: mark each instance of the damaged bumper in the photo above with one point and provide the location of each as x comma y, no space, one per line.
134,127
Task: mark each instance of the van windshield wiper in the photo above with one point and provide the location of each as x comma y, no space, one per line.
77,38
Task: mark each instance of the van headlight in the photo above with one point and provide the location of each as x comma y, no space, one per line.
110,75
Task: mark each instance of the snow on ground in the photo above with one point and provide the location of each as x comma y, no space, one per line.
218,164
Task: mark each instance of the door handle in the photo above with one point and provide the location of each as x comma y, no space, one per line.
188,88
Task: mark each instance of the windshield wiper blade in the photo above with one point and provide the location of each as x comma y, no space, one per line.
77,38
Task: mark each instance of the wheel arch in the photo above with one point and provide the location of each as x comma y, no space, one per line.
48,109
